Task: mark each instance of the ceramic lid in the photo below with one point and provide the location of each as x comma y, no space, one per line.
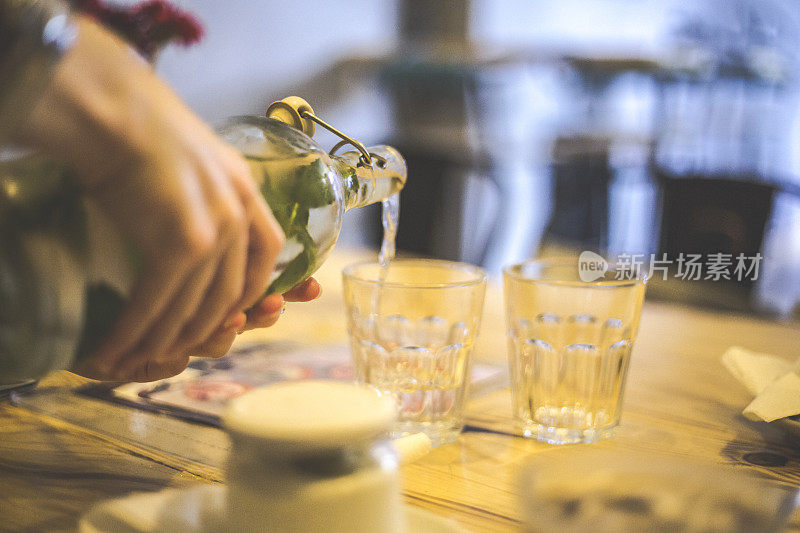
290,111
317,414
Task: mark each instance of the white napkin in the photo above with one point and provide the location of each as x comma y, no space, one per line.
774,382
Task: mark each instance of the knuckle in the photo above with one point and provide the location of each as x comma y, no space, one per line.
189,235
240,171
195,242
234,221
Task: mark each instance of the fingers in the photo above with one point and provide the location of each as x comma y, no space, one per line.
303,292
184,199
208,276
154,291
88,368
222,296
162,336
155,370
218,344
269,310
148,370
263,315
209,243
266,313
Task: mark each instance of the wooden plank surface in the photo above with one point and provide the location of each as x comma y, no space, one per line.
680,401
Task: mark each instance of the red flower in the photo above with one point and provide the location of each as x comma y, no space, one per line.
148,26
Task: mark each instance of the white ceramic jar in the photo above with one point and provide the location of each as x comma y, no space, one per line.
312,456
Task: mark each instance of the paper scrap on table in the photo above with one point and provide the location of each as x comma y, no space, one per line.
412,447
774,381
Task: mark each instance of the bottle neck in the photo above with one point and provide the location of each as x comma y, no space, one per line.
364,185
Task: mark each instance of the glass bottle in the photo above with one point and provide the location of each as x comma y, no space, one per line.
65,271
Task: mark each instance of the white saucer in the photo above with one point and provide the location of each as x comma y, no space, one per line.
200,510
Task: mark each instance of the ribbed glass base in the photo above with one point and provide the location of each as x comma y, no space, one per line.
556,435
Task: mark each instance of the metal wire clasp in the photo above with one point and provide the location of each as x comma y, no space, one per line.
365,159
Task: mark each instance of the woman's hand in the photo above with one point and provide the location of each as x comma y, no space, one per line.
184,198
265,314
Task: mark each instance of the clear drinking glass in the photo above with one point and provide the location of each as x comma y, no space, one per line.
412,327
570,343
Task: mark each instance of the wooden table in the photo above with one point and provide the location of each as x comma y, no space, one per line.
679,401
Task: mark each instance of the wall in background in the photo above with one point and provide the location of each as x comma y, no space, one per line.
255,51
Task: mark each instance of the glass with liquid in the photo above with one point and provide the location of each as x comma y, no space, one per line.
412,326
570,344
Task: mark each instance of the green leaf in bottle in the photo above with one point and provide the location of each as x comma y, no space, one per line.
291,197
298,268
311,187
